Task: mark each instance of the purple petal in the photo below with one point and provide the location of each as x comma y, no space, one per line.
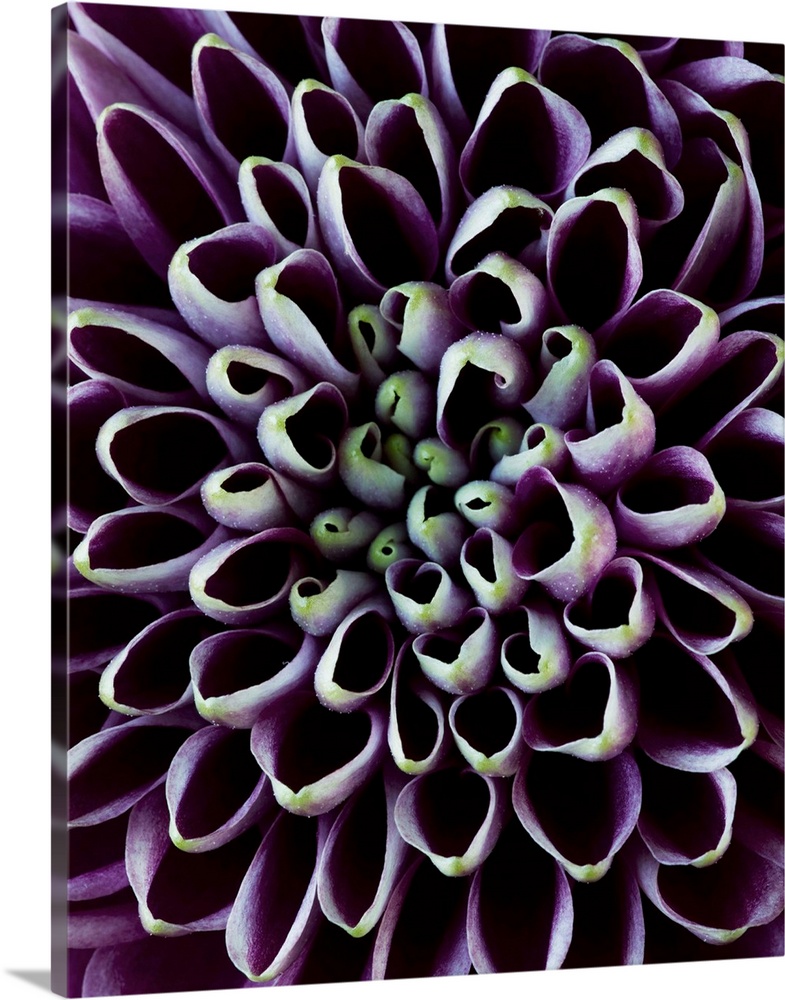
104,265
590,820
758,823
680,334
765,313
214,790
541,446
702,612
686,819
746,458
238,673
719,903
423,930
422,313
180,893
490,370
739,274
520,908
184,195
222,587
487,728
500,295
150,676
299,434
672,681
276,912
568,537
453,817
607,81
275,197
319,605
161,454
99,80
633,160
464,61
755,96
101,623
332,956
526,136
153,48
194,962
424,596
97,860
243,108
537,656
409,137
417,734
376,226
147,548
506,220
92,492
105,922
324,123
302,313
486,504
594,260
593,715
291,46
364,857
253,497
434,527
315,759
460,660
211,280
619,434
370,61
689,254
486,564
83,177
245,380
757,656
617,615
746,551
673,500
112,770
146,361
567,357
608,926
358,659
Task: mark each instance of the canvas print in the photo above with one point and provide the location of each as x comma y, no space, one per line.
418,563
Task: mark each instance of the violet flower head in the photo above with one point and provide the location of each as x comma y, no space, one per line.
426,448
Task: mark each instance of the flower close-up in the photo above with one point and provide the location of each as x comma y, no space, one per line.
423,541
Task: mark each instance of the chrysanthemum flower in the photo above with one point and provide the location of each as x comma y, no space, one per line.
426,479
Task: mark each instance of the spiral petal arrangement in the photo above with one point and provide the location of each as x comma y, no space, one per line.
426,456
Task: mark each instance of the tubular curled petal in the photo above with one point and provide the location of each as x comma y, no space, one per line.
606,795
568,536
593,716
453,817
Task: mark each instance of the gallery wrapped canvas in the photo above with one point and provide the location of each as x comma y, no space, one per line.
418,559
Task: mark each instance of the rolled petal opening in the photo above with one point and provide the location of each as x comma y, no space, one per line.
589,821
454,817
568,537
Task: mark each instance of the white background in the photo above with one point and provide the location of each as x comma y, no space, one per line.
24,449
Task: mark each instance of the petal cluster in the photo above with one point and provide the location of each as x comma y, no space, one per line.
426,454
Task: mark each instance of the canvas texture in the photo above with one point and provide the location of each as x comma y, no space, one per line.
418,499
